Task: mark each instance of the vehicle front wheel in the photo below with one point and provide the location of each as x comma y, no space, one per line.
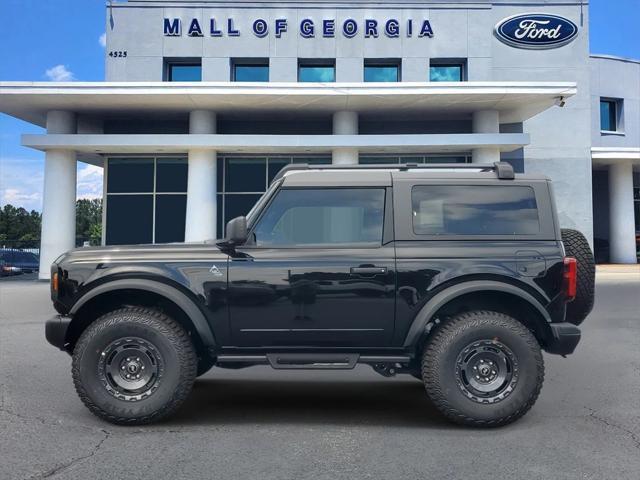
134,366
483,369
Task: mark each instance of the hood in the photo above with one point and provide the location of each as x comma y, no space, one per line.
143,253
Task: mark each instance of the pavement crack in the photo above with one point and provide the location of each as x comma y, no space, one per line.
74,461
634,437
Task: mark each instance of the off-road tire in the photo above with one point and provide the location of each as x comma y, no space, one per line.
576,246
172,342
439,368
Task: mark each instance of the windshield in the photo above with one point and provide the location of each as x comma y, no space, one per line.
260,203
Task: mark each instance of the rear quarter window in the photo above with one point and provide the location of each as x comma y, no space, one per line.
474,210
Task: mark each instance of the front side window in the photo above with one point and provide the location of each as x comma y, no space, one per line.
376,71
474,210
316,71
184,71
330,216
446,71
608,115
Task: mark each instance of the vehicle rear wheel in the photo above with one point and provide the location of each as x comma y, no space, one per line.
483,369
134,366
576,246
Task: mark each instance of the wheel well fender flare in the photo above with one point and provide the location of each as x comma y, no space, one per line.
169,292
427,312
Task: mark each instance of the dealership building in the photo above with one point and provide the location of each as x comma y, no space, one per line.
205,101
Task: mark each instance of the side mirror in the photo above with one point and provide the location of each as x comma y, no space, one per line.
236,232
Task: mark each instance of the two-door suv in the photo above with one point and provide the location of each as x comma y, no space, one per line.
456,274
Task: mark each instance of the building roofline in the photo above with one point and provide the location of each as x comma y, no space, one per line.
614,57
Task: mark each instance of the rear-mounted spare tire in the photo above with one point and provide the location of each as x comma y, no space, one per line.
576,246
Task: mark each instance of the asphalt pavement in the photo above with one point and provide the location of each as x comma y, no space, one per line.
265,424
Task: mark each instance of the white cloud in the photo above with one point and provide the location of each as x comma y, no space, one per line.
59,73
16,197
21,182
89,181
102,40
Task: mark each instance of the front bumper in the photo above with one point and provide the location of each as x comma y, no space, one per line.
55,330
565,338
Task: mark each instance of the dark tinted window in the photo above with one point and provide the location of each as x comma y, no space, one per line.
323,217
170,217
171,175
127,175
608,116
474,210
316,72
129,219
238,204
246,175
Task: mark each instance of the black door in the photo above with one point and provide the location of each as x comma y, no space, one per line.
316,272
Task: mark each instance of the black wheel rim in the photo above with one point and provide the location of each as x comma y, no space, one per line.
131,368
486,371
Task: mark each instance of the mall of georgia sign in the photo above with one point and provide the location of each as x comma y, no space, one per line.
536,31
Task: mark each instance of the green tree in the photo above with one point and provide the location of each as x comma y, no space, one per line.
89,221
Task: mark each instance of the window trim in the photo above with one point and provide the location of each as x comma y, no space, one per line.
250,243
450,62
249,62
184,62
317,62
381,63
618,105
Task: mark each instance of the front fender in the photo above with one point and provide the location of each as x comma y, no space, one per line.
427,312
169,292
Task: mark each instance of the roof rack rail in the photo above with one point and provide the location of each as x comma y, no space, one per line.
503,170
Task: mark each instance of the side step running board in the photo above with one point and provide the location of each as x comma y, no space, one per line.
311,361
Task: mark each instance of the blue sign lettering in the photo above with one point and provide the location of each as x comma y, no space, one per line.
306,28
392,28
281,26
370,28
426,30
260,28
328,28
172,28
349,28
194,28
536,31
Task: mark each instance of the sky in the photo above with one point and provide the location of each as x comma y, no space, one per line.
63,40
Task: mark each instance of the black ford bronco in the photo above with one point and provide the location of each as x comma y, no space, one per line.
456,274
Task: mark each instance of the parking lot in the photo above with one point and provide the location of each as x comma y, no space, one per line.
259,423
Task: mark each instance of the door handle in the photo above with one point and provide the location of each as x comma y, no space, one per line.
368,270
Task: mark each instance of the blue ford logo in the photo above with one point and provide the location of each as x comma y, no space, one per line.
536,31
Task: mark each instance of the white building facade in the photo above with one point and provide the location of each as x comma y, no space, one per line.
204,101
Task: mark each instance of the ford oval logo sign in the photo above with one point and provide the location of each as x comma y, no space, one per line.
536,31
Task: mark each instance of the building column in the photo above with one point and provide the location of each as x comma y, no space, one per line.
622,241
200,224
58,231
345,123
486,121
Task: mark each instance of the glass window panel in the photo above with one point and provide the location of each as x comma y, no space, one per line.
312,160
474,210
447,159
220,174
129,219
323,217
251,73
171,212
381,73
275,165
238,204
182,72
608,116
246,175
445,73
130,175
376,160
171,175
317,73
